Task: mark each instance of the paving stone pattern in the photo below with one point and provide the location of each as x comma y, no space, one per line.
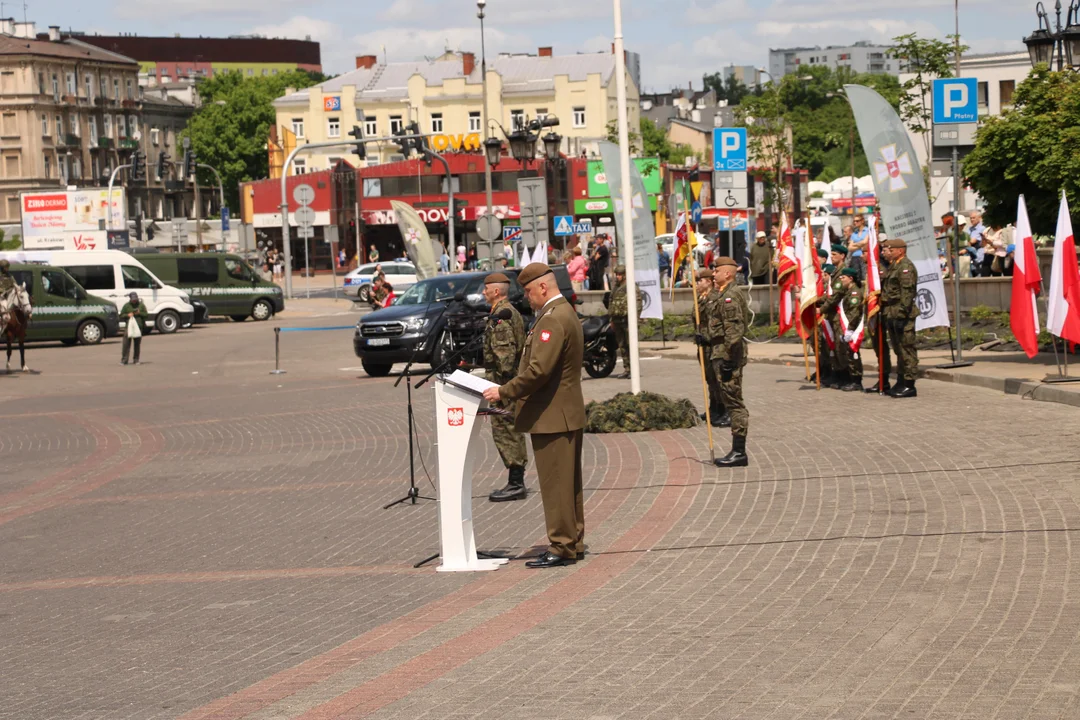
196,538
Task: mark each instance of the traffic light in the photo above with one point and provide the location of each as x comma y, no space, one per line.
420,144
136,165
138,227
190,161
162,158
356,132
405,145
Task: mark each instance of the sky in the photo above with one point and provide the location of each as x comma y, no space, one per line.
679,40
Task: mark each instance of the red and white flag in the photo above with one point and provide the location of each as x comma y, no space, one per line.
1026,284
873,276
811,281
1063,302
787,266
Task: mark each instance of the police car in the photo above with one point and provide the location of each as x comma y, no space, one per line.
399,273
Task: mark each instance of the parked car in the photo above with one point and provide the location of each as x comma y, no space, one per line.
225,283
434,318
63,310
401,275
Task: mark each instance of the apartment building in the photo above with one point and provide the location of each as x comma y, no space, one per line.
444,96
861,57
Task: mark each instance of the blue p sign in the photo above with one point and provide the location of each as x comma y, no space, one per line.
729,149
956,101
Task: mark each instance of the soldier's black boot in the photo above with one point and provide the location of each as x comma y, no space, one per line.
737,457
874,389
515,487
854,386
722,421
904,389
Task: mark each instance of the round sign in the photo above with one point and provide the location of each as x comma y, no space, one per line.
305,216
695,212
303,194
489,228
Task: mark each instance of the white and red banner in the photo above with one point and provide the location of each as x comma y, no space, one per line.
1026,285
787,266
1063,303
70,219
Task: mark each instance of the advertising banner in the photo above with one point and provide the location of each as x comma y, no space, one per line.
70,219
901,194
639,239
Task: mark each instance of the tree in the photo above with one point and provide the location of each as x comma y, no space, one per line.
731,89
1030,149
229,131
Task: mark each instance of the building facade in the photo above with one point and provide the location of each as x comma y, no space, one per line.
163,60
862,57
445,97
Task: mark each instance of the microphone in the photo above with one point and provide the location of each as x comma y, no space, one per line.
504,314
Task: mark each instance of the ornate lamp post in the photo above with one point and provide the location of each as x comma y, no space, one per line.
1062,42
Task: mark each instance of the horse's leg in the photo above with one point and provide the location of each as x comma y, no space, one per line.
8,339
22,353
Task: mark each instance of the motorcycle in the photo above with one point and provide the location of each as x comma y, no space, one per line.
601,348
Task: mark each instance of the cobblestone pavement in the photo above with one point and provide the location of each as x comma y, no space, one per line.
197,538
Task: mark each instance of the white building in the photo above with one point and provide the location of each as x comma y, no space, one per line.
862,57
998,75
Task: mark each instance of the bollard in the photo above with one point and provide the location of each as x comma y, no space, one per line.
277,353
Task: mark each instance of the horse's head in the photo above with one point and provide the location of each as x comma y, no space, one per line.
22,300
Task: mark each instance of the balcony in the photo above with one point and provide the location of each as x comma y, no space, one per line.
127,144
104,143
69,140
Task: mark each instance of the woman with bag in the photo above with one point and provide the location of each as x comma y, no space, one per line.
135,313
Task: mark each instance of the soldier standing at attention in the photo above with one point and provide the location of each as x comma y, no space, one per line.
840,360
898,290
7,283
880,344
550,407
852,309
707,297
619,311
503,343
727,331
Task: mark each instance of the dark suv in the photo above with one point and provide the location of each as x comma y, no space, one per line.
435,317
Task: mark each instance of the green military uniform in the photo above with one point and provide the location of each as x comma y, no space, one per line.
619,312
852,305
898,290
138,309
840,355
718,415
880,342
7,283
728,323
503,343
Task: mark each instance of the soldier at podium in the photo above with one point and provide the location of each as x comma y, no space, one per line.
504,339
551,408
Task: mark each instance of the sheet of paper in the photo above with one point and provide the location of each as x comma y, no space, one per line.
472,382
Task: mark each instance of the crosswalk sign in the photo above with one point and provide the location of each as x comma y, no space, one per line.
564,225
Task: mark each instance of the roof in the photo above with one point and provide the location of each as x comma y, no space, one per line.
68,49
209,50
700,127
521,74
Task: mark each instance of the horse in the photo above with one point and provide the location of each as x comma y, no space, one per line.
15,312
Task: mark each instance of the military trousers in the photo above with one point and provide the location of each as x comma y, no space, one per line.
842,353
882,352
558,467
508,441
622,337
902,339
731,394
716,401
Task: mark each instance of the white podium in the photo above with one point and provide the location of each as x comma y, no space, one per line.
458,402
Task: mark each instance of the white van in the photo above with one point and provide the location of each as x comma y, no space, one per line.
113,275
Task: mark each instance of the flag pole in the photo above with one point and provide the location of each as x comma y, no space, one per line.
817,352
880,355
697,323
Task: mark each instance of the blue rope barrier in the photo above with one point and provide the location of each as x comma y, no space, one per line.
314,329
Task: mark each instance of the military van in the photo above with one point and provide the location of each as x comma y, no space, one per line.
225,283
63,310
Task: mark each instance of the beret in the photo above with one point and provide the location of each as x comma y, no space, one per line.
724,261
851,273
839,249
531,272
821,253
620,269
895,244
704,275
496,278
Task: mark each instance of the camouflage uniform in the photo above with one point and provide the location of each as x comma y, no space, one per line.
898,290
619,311
728,322
503,344
853,304
706,307
7,283
840,359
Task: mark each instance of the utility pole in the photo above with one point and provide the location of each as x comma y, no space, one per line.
484,119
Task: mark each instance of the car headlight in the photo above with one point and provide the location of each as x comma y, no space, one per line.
415,324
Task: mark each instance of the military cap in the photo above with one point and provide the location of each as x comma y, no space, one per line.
533,271
821,253
839,249
851,273
620,269
704,275
895,244
496,278
724,261
4,264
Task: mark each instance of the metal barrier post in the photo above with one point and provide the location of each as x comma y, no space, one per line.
277,353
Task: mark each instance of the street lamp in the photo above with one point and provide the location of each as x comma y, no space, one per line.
493,151
1064,43
553,146
523,139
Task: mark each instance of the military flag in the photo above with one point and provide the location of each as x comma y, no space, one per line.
786,275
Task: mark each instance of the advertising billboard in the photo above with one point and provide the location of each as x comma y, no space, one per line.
70,219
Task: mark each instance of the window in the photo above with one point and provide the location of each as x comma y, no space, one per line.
251,72
542,113
42,89
104,87
155,137
56,87
73,123
1007,88
48,166
474,122
164,78
92,124
59,127
238,270
371,128
130,91
273,71
121,128
333,127
57,282
579,117
395,124
44,125
264,72
983,93
70,78
135,278
517,119
299,166
197,271
76,167
116,88
436,123
22,277
88,81
107,126
298,127
331,162
93,277
62,167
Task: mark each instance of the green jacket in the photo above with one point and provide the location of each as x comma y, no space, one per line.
618,307
728,322
503,343
6,282
853,299
898,290
140,311
828,307
706,307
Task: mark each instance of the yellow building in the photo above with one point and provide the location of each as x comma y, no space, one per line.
444,96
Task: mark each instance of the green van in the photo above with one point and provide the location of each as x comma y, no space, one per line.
224,283
62,309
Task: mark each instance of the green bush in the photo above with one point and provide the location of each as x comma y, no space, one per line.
627,412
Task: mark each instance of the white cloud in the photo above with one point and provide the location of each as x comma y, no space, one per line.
840,32
719,11
406,43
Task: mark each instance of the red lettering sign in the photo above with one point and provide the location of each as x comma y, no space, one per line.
84,243
44,203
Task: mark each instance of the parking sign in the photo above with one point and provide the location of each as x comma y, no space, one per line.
956,100
729,149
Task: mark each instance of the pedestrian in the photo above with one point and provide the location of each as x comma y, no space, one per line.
898,291
577,268
341,258
373,254
619,312
389,297
728,322
279,264
550,407
504,341
860,240
459,264
707,296
850,310
444,261
134,312
598,264
760,256
664,262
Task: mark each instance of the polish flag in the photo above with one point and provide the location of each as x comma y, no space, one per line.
812,281
1026,284
786,276
873,277
1063,303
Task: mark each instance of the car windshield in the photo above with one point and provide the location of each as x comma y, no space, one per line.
439,288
